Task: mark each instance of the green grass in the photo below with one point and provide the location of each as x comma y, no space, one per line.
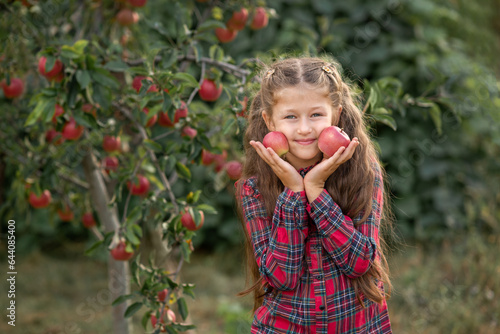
451,288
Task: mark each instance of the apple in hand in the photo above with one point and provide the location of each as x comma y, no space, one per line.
209,90
15,89
120,253
42,201
234,169
188,221
331,139
277,141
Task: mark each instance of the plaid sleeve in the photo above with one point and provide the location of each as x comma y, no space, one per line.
352,248
278,241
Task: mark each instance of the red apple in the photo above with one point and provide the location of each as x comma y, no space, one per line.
127,17
137,3
234,169
55,137
165,121
188,221
15,89
120,253
66,214
189,131
57,78
167,316
331,139
110,164
88,220
71,130
209,90
88,108
225,35
111,144
241,15
58,112
152,120
139,188
54,72
42,201
243,112
277,141
260,19
137,84
162,295
220,161
207,157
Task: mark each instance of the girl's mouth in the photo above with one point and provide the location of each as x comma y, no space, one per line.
305,141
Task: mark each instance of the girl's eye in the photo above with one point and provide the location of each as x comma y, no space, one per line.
289,117
316,114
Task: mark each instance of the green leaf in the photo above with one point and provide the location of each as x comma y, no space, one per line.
167,101
121,299
83,78
80,45
137,230
186,251
131,237
435,113
45,108
116,66
381,111
206,208
132,309
210,25
215,52
152,145
228,125
387,120
182,305
183,328
183,171
104,78
92,248
171,330
145,319
188,289
186,77
135,214
69,52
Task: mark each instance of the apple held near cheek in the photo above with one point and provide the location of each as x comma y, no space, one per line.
277,141
331,139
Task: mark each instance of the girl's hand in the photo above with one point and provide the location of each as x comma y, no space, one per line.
316,177
283,170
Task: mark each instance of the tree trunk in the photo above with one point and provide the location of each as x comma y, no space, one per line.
118,271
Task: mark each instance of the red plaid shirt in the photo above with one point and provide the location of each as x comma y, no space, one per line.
307,252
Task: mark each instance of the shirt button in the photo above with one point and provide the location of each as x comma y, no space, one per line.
319,276
322,307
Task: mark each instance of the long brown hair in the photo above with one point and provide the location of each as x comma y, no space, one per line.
352,185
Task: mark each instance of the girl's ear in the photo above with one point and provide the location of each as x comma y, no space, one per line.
268,121
338,115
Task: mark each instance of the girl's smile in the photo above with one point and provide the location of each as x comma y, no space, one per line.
301,112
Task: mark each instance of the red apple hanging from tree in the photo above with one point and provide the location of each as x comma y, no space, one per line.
120,253
15,89
209,90
277,141
41,201
152,120
71,130
127,17
140,186
234,169
52,73
55,137
167,316
111,144
57,112
137,84
260,19
207,157
110,164
238,20
331,139
88,220
65,214
225,35
188,220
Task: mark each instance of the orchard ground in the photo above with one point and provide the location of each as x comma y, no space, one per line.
452,288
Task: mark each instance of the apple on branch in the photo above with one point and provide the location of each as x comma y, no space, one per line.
331,139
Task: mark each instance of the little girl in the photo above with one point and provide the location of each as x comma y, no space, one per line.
312,223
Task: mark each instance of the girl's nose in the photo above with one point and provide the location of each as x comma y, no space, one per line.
304,127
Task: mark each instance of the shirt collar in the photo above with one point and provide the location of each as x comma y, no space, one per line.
303,171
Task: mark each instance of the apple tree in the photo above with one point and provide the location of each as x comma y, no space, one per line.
107,106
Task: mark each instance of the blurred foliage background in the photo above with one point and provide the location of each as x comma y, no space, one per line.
433,66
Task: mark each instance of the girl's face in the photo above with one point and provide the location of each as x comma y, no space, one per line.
301,113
